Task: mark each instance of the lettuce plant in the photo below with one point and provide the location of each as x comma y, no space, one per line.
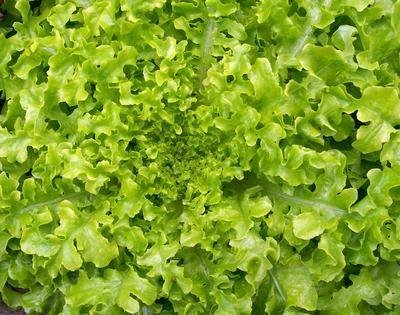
200,157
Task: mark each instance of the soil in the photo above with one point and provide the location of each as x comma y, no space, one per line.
5,310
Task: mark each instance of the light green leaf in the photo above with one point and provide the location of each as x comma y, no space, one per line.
380,107
307,225
115,287
326,63
297,285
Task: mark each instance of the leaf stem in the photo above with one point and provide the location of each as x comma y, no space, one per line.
277,286
332,210
205,49
52,201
